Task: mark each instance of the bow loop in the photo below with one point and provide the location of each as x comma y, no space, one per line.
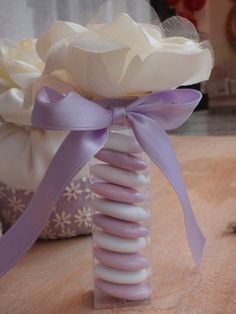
169,108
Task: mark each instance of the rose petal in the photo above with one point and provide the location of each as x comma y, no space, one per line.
11,107
58,31
46,80
23,80
166,70
126,31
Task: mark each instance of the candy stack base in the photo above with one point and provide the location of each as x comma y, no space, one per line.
104,301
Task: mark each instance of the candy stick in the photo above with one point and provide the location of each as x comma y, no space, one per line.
122,223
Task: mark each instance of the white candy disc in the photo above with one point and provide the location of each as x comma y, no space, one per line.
121,276
123,143
118,210
119,176
117,244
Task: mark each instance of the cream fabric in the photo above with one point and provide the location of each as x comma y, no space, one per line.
25,153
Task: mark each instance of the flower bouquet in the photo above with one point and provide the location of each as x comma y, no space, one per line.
112,86
32,148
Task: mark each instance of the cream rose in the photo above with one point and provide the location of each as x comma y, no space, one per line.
123,58
25,152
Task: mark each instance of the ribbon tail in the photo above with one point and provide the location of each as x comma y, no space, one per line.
155,142
74,153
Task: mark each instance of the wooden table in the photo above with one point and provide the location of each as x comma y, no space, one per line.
56,277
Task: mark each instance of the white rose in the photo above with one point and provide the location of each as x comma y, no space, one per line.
25,152
123,58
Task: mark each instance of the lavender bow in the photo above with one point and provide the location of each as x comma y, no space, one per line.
88,123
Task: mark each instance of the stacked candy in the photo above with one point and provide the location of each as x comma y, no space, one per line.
122,224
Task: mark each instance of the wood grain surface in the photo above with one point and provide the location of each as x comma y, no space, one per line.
55,277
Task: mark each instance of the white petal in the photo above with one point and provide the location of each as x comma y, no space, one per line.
11,107
46,80
166,70
4,84
11,66
23,80
126,31
58,31
95,63
97,74
95,42
26,52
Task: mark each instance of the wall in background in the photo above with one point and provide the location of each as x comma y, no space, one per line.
29,18
212,20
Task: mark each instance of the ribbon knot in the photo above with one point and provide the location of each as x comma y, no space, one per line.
88,125
119,115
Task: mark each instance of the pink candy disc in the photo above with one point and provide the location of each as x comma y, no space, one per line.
123,261
120,227
121,160
117,193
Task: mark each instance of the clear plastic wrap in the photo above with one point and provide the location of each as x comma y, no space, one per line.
121,204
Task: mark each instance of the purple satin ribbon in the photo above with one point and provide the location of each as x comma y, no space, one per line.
88,123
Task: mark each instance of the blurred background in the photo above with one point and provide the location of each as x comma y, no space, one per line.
214,19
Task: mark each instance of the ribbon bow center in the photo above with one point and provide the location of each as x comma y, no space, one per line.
119,115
